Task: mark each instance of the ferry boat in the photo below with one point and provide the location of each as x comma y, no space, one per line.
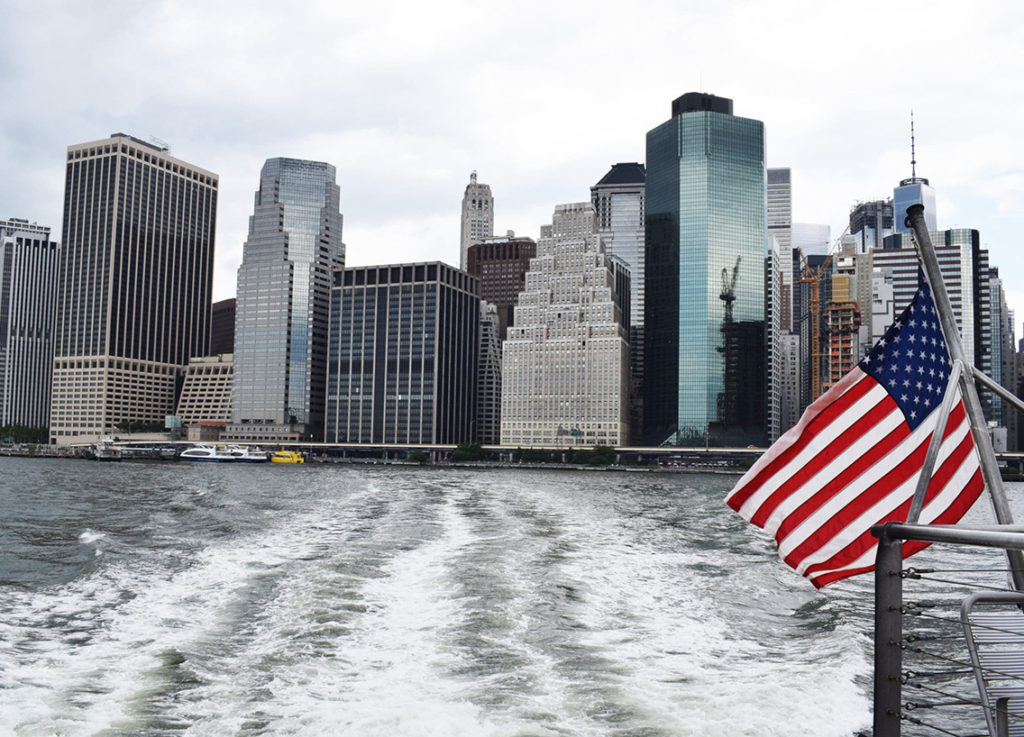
286,456
224,454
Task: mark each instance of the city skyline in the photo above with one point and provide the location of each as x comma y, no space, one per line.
401,123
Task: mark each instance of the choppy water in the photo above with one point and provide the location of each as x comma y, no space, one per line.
168,599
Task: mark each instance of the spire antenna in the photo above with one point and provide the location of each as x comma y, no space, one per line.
913,157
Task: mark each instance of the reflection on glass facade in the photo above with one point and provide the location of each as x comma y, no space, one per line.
705,246
404,342
284,284
913,191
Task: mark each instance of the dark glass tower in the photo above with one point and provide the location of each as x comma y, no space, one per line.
283,299
705,248
403,355
136,270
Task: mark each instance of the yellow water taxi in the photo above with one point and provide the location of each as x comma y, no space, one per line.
286,456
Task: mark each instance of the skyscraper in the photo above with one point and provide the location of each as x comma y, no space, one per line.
618,200
705,243
870,223
779,196
913,191
28,289
565,363
281,314
477,217
501,263
403,355
136,271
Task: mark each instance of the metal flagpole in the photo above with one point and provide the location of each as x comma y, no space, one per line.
936,443
989,468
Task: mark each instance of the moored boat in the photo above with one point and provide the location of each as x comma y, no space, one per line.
286,456
224,454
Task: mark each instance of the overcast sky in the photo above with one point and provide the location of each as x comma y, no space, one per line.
406,98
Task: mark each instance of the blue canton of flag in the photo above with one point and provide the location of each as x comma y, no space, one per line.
911,360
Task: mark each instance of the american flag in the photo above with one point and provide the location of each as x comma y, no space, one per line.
854,458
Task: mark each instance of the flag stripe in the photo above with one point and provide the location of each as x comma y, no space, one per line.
950,515
957,466
817,418
896,476
851,441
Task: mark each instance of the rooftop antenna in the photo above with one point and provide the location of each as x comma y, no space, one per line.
913,157
472,177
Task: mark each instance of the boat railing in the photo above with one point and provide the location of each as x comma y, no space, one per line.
949,641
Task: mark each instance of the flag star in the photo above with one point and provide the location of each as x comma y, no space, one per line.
920,369
927,402
931,372
896,354
906,382
917,399
898,338
893,382
903,397
913,338
867,358
929,386
912,323
933,356
913,414
919,385
908,367
881,355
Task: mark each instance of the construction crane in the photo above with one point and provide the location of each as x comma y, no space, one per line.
728,293
813,277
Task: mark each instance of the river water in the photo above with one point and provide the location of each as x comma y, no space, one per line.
194,599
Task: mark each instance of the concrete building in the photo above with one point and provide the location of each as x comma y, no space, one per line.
283,299
28,291
206,391
135,278
790,410
403,357
565,363
705,231
488,403
477,218
500,263
965,269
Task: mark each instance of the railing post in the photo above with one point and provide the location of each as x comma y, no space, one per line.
888,635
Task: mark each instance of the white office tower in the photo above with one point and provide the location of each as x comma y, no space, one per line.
565,362
477,218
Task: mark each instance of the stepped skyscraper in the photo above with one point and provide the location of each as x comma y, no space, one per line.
283,301
136,275
705,300
565,363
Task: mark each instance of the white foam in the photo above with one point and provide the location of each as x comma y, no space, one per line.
90,536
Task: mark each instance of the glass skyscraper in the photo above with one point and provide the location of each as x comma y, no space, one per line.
281,317
705,246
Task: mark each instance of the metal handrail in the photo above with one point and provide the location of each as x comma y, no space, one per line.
889,641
